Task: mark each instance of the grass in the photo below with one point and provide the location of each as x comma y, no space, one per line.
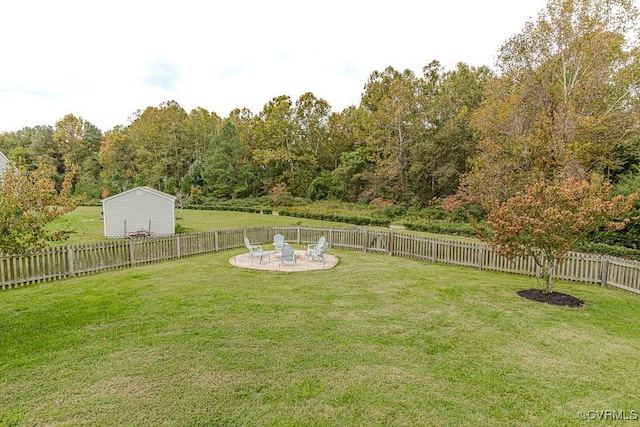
375,341
87,226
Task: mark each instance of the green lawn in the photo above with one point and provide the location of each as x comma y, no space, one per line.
87,226
375,341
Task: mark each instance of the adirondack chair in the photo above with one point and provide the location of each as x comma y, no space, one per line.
316,246
255,251
288,254
317,255
278,243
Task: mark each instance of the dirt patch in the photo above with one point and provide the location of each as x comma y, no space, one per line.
553,298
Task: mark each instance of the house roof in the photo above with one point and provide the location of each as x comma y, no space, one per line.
3,156
147,189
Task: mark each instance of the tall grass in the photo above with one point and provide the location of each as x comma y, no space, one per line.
375,341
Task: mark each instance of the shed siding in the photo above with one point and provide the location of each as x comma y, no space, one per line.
135,210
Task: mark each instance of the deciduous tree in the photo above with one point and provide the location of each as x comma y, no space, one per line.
76,139
118,158
565,103
547,220
440,158
163,149
397,122
202,127
28,202
226,170
274,149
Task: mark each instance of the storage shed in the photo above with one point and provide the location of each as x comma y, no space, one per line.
3,162
138,212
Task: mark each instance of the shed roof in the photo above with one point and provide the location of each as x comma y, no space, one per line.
145,188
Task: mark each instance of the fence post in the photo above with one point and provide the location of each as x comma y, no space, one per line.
433,251
604,273
178,246
390,242
298,239
481,257
365,238
4,278
70,260
132,257
216,246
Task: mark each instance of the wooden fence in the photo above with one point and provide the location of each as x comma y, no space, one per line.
58,262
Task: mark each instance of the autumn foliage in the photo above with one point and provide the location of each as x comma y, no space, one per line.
28,202
547,220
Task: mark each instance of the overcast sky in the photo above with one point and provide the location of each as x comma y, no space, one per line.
103,61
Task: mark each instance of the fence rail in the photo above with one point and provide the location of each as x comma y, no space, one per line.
58,262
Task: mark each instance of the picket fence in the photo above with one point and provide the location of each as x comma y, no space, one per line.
57,262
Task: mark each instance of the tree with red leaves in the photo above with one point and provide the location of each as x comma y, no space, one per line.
548,220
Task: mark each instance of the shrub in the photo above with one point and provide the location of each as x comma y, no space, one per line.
611,250
442,227
325,186
180,229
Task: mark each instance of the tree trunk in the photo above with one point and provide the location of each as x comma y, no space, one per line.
549,276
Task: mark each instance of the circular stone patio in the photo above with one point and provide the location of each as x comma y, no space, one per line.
274,263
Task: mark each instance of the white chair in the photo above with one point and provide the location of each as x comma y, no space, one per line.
288,254
316,246
316,255
278,243
255,251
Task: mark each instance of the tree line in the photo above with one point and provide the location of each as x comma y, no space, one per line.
407,142
562,103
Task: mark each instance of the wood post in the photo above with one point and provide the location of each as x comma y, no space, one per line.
132,257
70,261
365,238
604,273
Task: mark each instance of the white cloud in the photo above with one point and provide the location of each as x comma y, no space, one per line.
104,61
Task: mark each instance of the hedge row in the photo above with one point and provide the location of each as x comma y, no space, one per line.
442,227
349,219
246,209
615,251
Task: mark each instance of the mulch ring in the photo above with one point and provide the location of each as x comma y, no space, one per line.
553,298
